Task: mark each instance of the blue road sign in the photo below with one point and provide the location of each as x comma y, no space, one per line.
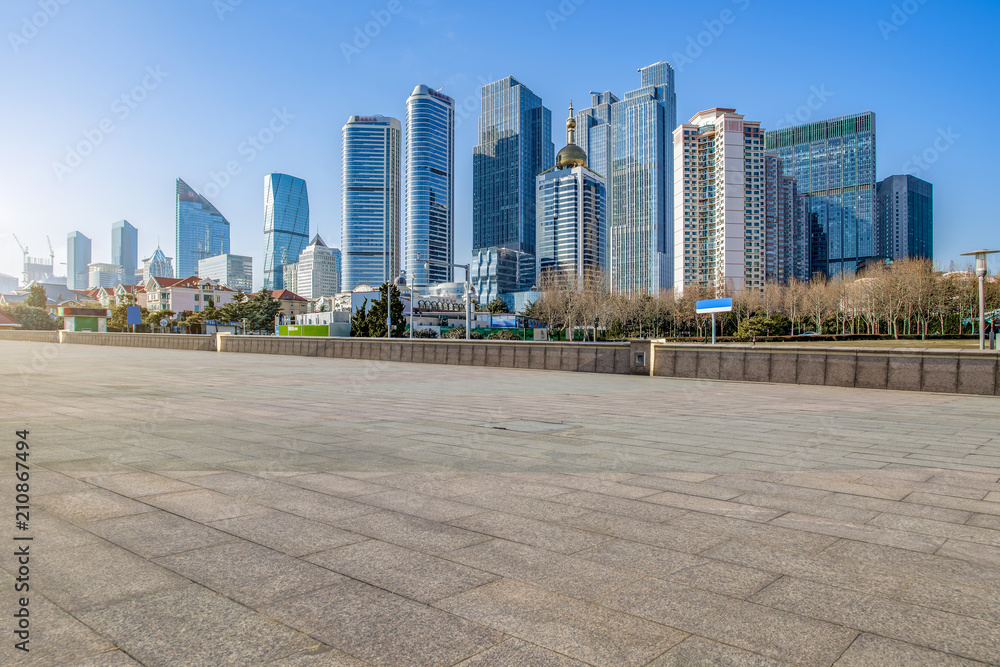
133,315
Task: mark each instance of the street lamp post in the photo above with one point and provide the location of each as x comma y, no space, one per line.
597,321
980,256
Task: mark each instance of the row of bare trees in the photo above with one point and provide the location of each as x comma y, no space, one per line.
906,298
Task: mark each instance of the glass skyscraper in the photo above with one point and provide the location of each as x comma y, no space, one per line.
200,228
430,186
642,174
904,218
833,161
125,249
515,146
77,259
370,223
286,225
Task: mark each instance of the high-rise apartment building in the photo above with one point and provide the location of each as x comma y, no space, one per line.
642,191
370,232
833,162
286,225
570,206
233,271
430,186
158,265
317,271
515,145
125,249
200,229
77,261
786,254
719,203
904,218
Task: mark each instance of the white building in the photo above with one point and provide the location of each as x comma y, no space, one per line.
719,202
233,271
317,271
103,275
157,266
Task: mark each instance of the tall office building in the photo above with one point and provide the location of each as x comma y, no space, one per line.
200,228
719,203
286,225
570,205
103,275
642,192
593,132
158,265
233,271
371,195
430,186
317,271
833,161
515,145
904,218
125,249
77,260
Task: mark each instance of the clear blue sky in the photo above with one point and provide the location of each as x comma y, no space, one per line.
927,70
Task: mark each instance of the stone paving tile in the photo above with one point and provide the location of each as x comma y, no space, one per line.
287,533
237,485
249,573
334,485
808,507
942,631
965,504
634,509
114,658
984,521
313,505
411,532
320,655
157,533
736,510
700,652
216,630
939,566
899,507
682,486
139,484
571,575
634,530
550,536
863,533
417,504
874,651
533,508
405,572
580,630
955,531
203,505
970,551
759,532
517,653
755,628
93,505
383,628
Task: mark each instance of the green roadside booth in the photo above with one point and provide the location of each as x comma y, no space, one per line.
85,319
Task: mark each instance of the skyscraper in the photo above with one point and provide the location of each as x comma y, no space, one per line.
642,192
103,275
157,266
200,228
430,186
317,271
233,271
572,218
720,201
371,196
593,132
833,161
125,249
286,225
77,259
905,218
515,145
786,254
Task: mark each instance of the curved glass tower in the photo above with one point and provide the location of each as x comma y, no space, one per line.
430,186
286,225
370,201
201,230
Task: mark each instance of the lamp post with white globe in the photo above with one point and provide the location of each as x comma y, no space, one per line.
980,256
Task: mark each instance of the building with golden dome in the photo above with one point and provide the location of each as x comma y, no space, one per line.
571,214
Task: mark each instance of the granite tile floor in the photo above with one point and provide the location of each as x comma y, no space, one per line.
197,508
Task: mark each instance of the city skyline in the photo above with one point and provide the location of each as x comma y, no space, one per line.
302,129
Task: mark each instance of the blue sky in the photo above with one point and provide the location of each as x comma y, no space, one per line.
201,76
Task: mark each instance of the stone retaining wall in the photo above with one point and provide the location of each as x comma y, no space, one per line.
31,336
162,341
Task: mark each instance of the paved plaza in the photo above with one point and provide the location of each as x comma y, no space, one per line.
199,508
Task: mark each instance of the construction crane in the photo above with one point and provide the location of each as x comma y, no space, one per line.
52,255
24,249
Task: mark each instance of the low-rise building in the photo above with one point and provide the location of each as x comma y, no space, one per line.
185,294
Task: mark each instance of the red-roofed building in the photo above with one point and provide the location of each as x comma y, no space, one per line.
7,324
180,294
291,303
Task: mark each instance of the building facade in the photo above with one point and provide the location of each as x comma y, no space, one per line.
186,294
515,145
642,192
77,261
370,216
786,249
570,206
290,277
317,271
201,230
157,265
430,186
232,271
498,271
833,162
103,275
125,248
286,225
904,225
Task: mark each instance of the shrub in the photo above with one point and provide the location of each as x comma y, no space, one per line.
503,334
425,333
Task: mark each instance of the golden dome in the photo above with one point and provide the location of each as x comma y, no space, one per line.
571,155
